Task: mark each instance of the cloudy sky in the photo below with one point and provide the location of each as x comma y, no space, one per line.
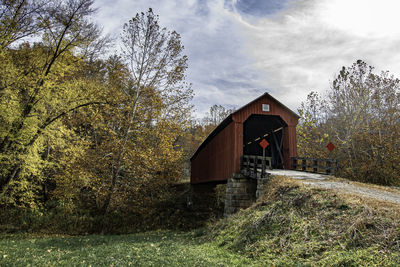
239,49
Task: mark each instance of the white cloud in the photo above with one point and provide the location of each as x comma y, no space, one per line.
362,17
297,47
306,44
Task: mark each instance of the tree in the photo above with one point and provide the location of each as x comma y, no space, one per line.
19,19
154,59
361,116
311,135
216,115
94,136
135,152
40,82
368,105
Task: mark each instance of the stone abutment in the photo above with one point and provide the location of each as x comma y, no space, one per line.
242,191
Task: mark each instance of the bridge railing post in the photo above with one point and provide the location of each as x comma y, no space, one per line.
315,166
255,166
241,163
263,163
294,163
336,167
248,165
328,167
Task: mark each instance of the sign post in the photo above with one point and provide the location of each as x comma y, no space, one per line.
330,147
264,143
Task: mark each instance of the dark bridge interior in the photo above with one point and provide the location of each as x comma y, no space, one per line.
270,127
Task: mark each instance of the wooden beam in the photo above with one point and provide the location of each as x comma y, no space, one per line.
278,147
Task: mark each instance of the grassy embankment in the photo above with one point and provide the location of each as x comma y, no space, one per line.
290,226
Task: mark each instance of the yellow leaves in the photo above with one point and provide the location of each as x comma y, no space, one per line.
102,150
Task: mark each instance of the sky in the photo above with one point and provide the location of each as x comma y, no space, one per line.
240,49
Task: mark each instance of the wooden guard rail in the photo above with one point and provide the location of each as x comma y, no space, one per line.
250,166
328,166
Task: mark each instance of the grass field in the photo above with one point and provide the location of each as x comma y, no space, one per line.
148,249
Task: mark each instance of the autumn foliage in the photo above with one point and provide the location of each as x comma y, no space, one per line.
84,138
360,114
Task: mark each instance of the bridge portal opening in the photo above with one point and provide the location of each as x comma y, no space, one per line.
270,128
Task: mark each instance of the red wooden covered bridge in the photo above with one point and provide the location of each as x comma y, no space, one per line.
218,157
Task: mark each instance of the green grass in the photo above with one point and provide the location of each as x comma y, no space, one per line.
162,248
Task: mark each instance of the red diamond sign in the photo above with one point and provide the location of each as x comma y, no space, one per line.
330,146
264,143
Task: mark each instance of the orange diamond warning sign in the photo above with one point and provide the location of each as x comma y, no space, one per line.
264,143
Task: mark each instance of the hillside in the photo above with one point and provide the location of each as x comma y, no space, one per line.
295,224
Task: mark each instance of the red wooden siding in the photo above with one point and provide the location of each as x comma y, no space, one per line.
216,160
219,156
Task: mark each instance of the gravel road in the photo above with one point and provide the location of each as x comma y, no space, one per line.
324,181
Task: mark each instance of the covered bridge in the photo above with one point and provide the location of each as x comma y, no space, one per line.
218,157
